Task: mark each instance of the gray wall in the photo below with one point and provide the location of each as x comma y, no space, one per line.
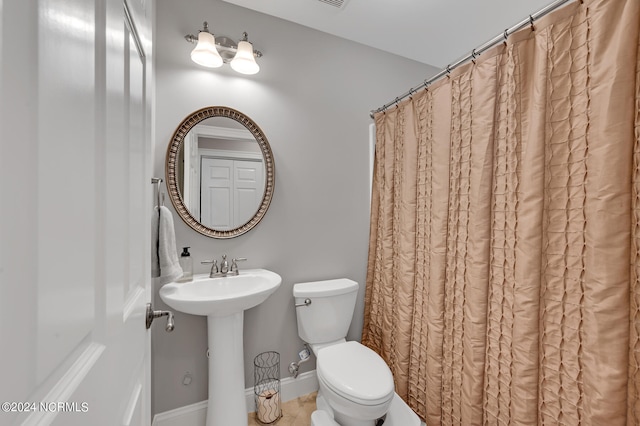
312,99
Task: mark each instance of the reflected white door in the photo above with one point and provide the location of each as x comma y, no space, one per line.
75,217
216,207
231,191
248,189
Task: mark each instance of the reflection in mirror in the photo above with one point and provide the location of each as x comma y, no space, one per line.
220,172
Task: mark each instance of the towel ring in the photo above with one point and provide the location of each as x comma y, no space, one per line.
159,193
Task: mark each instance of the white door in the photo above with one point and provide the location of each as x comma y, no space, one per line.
248,189
216,189
75,211
231,191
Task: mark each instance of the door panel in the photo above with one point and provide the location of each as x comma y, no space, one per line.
66,221
217,193
134,93
249,188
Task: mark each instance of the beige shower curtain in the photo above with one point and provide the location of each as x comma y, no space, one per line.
505,218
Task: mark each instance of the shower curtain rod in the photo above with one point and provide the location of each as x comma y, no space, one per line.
477,52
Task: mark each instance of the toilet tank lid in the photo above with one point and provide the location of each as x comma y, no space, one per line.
325,288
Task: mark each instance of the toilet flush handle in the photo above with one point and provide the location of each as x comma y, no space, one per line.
306,302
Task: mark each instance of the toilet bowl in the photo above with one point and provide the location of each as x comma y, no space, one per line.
356,385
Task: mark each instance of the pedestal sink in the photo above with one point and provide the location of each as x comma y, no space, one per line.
223,301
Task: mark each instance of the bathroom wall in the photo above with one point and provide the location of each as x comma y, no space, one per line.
312,99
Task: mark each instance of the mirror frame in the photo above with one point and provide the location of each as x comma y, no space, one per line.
171,161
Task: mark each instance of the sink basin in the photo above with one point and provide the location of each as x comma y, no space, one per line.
221,296
223,300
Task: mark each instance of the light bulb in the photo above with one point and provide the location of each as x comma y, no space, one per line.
244,61
205,52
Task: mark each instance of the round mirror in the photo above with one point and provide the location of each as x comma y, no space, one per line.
220,172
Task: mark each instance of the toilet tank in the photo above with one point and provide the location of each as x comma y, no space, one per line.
329,315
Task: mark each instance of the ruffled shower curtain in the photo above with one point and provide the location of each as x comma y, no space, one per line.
503,282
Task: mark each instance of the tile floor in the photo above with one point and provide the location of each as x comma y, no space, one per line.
294,413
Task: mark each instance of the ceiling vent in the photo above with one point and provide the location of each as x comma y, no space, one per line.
340,4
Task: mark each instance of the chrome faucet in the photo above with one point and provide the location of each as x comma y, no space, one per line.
224,266
225,269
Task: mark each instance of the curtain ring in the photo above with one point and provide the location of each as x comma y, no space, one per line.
533,28
474,55
506,36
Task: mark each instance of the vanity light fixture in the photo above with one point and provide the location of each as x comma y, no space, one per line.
212,51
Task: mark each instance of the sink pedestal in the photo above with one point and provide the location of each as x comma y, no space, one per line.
227,405
223,301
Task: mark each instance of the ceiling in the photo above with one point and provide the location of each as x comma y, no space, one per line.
434,32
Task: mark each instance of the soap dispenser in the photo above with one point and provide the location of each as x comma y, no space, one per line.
186,263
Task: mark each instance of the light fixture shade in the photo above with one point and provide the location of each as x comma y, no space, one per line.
244,62
205,52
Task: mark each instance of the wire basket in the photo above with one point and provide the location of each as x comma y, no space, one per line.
266,390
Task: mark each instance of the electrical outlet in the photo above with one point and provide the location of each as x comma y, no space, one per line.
186,380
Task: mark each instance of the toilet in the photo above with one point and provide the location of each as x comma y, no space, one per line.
356,385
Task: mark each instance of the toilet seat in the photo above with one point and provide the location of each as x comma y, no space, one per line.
356,373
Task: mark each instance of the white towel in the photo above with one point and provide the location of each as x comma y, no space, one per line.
164,256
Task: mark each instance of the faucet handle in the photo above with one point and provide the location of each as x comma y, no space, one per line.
213,263
234,265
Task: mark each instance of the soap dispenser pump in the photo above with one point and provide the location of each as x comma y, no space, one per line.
186,263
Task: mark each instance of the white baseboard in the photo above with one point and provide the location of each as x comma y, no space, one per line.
196,414
189,415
